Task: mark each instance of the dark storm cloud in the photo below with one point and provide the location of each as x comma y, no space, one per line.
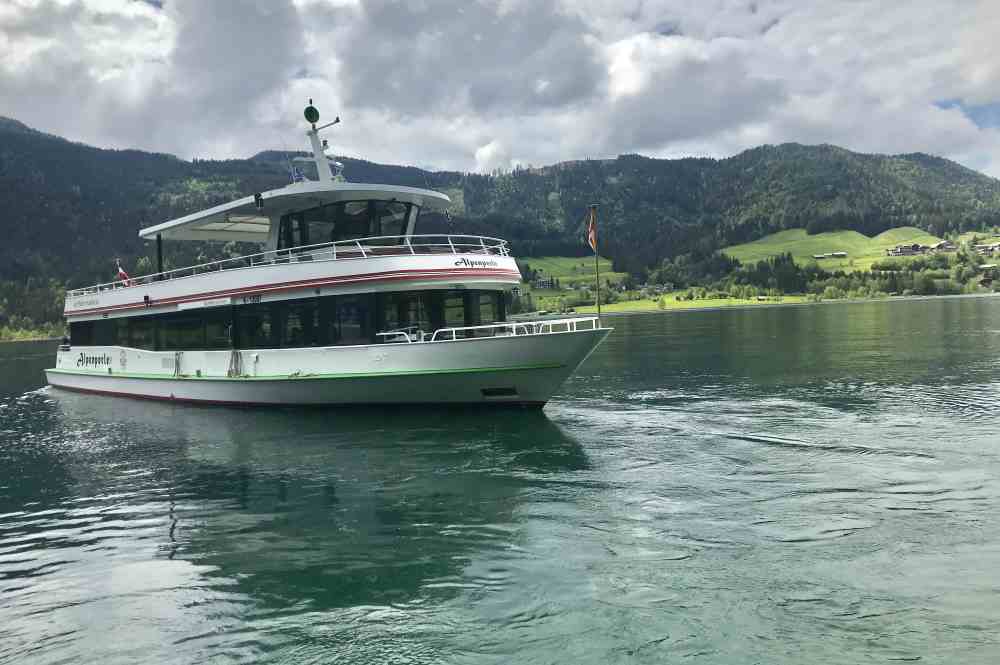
485,57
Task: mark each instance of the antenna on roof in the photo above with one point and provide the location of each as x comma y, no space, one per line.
322,164
312,114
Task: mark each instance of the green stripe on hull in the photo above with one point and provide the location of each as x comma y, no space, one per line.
305,377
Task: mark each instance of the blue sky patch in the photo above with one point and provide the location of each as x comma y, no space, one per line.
984,115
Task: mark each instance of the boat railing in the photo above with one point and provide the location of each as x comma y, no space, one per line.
514,328
360,248
414,335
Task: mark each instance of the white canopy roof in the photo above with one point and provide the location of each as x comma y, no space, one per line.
242,220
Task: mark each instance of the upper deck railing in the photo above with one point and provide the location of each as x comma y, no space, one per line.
360,248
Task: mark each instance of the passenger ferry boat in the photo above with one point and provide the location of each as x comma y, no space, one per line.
345,304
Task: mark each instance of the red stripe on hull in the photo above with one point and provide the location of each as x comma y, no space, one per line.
277,287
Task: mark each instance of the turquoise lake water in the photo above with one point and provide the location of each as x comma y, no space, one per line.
813,484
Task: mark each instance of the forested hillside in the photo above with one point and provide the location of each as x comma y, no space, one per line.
67,210
652,209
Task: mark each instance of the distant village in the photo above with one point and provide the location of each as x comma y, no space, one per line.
916,249
988,272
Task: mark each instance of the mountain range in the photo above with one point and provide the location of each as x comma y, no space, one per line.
68,209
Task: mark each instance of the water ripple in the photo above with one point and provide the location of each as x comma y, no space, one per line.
769,486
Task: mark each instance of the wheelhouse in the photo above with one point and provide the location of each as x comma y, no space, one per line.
308,212
347,220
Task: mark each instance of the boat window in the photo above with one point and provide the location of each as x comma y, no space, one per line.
285,238
407,310
105,333
352,320
141,332
181,332
121,331
454,308
489,306
81,333
300,324
253,326
218,324
354,220
321,222
302,226
337,221
391,218
473,314
346,220
304,323
293,232
108,332
431,310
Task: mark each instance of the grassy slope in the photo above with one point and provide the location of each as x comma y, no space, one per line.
982,236
54,331
672,304
861,250
572,270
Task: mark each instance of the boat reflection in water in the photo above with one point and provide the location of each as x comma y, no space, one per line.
385,508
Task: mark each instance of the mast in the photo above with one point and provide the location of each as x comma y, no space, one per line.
597,259
323,170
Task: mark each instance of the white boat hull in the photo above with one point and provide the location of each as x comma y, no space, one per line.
522,370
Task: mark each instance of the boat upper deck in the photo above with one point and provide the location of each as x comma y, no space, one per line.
369,244
358,249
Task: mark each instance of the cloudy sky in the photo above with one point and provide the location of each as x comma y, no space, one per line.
481,84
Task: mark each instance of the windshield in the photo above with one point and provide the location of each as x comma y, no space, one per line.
345,220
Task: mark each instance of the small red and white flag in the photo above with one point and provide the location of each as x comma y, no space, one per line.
122,275
592,230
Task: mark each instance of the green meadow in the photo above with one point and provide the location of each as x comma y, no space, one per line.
983,237
572,271
861,250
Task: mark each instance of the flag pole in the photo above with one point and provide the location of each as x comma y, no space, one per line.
597,260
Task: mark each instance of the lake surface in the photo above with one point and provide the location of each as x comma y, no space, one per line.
785,485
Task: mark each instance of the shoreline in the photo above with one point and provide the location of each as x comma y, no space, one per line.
591,309
30,339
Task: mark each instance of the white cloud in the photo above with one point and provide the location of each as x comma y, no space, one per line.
492,155
489,83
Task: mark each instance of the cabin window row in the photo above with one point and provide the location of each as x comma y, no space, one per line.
326,321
